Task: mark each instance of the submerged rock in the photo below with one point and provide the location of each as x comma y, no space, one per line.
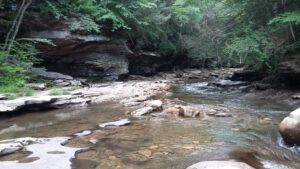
119,123
289,128
220,165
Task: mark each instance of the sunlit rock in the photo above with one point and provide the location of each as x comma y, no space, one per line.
155,104
289,128
83,133
142,111
220,165
119,123
45,152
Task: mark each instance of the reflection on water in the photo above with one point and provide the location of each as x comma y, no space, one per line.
154,143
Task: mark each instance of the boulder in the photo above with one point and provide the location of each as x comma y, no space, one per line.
188,111
289,128
220,165
155,104
142,111
172,110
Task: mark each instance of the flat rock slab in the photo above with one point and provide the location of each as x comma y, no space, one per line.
119,123
9,148
142,111
220,165
83,133
14,105
48,152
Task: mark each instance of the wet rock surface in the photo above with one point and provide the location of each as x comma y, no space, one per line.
119,123
220,165
289,128
162,139
44,152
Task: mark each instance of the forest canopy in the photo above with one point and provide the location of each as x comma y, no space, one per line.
211,33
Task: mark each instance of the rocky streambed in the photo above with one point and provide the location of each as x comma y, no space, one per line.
154,123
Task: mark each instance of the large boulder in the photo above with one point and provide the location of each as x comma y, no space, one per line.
289,128
220,165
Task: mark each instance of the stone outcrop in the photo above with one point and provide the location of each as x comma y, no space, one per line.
149,63
105,55
289,128
289,72
84,55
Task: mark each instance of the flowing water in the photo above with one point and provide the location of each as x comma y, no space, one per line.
160,143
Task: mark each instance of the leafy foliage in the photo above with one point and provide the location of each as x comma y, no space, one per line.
15,67
210,33
287,18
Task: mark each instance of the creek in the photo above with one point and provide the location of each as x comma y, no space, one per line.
166,143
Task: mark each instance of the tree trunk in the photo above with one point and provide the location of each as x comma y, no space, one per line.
291,29
16,25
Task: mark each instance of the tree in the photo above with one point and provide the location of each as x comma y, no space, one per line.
15,26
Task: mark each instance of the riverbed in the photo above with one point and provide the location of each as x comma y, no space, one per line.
250,135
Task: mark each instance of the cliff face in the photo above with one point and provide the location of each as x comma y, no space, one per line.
84,55
105,56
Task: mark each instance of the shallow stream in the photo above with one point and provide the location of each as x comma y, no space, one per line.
160,143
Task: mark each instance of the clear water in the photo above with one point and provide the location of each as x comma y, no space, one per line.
158,143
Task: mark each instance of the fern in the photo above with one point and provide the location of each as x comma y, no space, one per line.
286,18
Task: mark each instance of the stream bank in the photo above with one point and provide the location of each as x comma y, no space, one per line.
153,141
